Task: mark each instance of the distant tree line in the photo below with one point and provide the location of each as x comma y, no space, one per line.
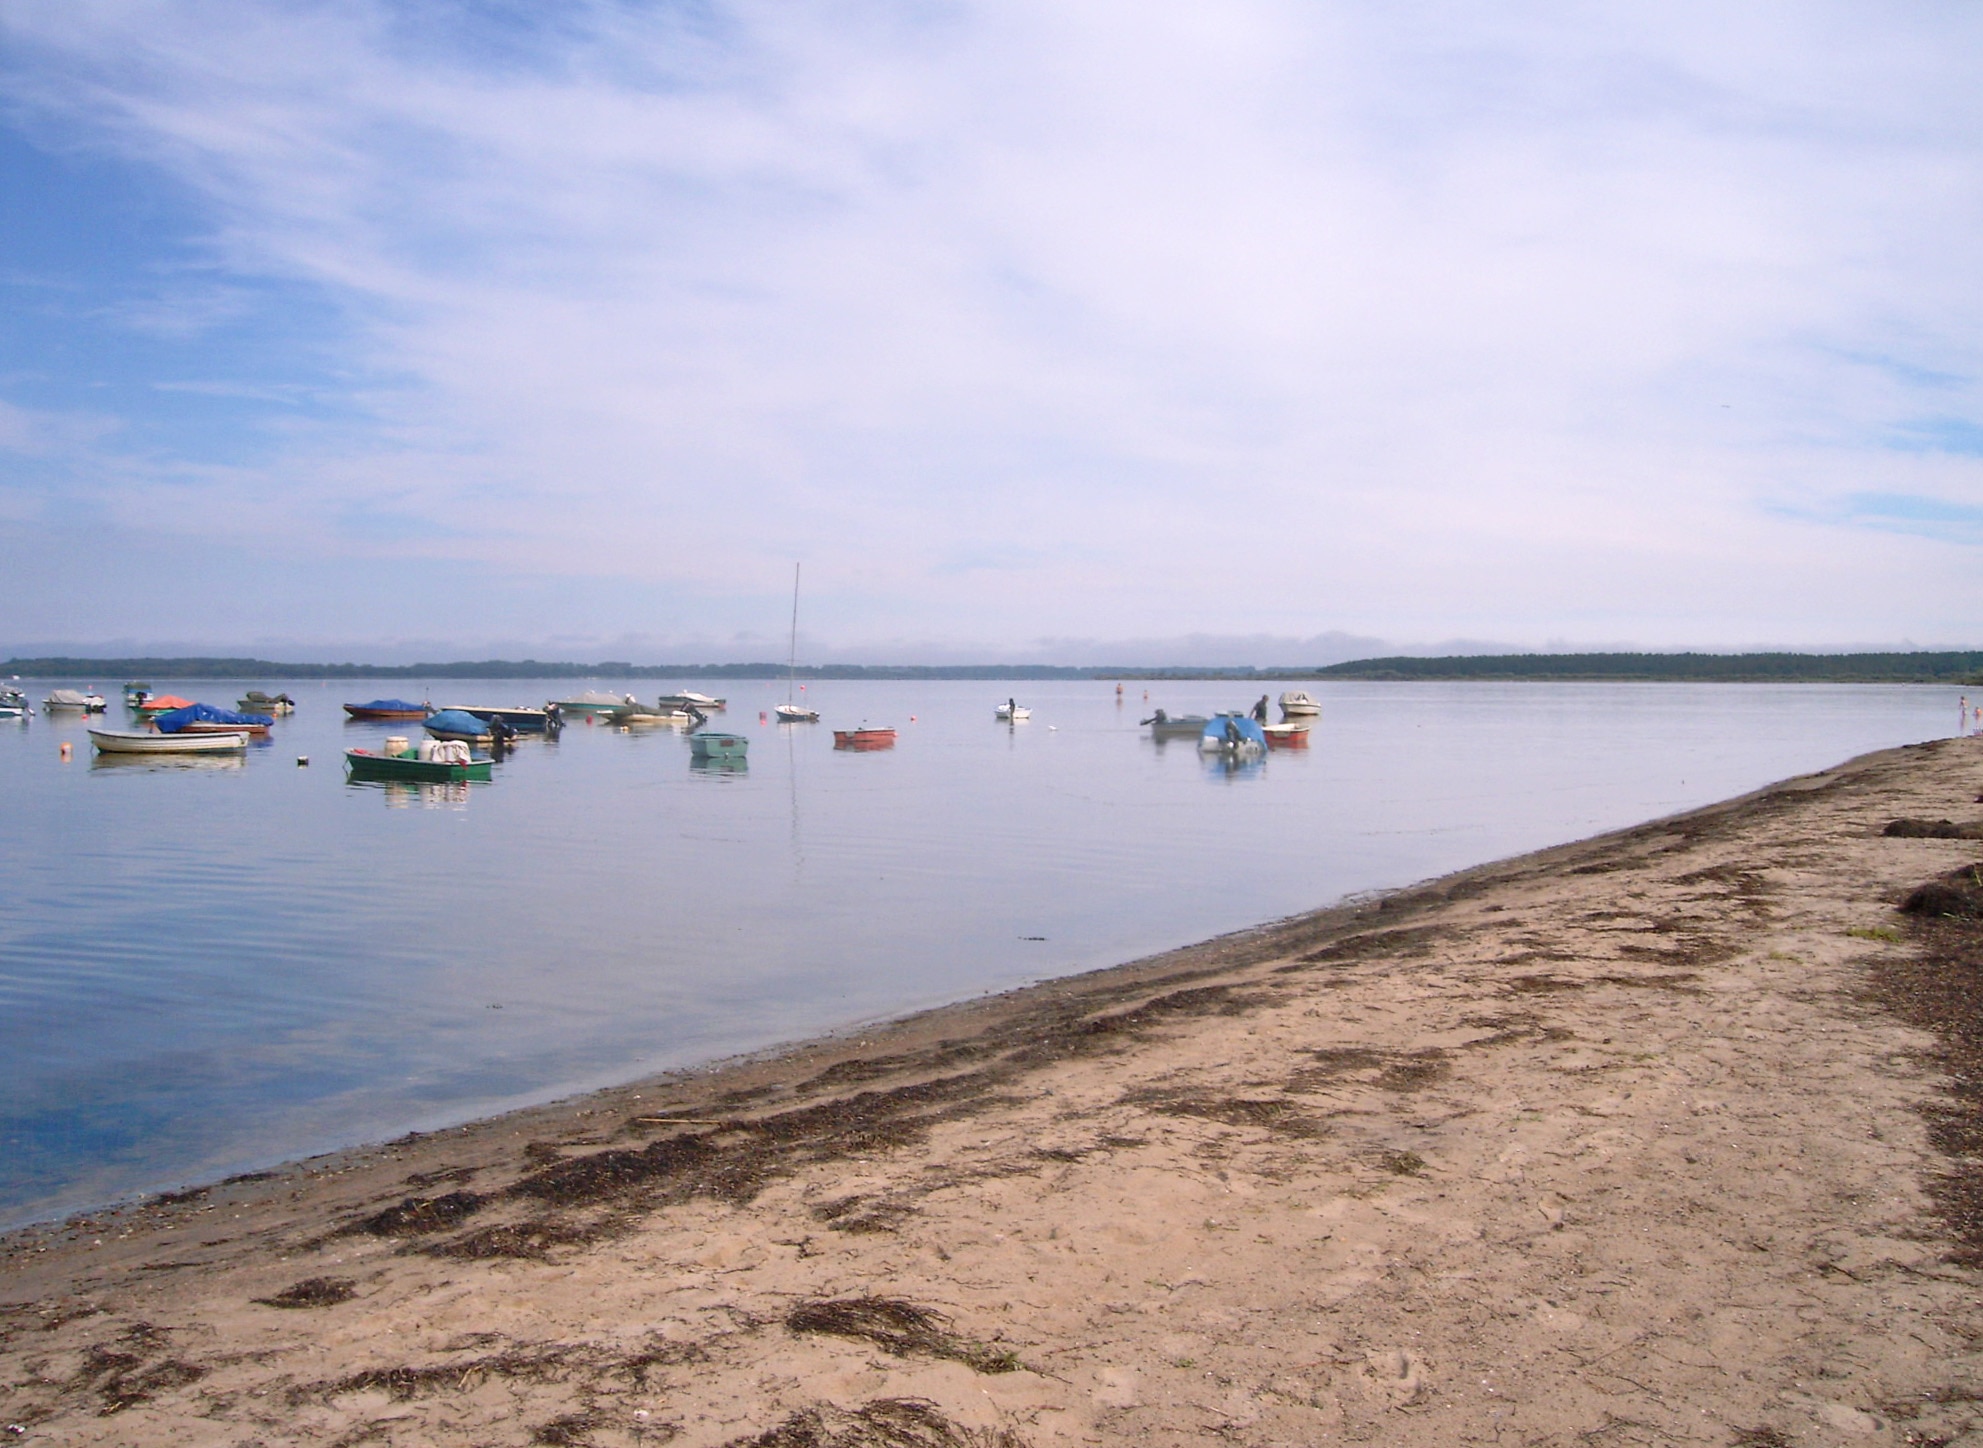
1877,668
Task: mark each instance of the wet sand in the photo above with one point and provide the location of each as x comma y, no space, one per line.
1660,1137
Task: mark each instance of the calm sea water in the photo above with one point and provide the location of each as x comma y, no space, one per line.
206,968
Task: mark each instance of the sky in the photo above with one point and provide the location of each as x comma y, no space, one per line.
1070,331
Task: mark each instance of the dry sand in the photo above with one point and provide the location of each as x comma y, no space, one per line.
1640,1140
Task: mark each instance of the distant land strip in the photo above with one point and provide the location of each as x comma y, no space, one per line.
1765,668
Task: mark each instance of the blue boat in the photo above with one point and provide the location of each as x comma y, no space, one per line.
459,724
388,709
1237,736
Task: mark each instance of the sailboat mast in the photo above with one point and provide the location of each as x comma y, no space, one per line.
792,660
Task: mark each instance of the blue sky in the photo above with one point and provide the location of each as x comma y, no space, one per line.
1061,331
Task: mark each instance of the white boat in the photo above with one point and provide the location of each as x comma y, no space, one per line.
1012,712
1297,705
592,702
140,741
74,701
689,699
790,712
14,705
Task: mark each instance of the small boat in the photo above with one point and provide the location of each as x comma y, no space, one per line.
459,724
790,712
14,705
522,720
144,741
205,719
389,709
1286,735
1012,712
689,699
433,762
647,716
864,738
718,744
72,701
1162,726
156,704
256,702
592,704
1297,705
1237,736
135,694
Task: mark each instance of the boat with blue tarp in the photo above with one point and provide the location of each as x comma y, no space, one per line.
459,724
206,719
389,709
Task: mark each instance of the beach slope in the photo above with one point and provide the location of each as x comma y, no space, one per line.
1660,1137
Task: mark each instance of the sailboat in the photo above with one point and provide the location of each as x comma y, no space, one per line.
790,712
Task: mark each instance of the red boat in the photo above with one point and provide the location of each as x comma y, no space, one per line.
1286,736
863,738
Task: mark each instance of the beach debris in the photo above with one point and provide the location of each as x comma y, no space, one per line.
898,1327
883,1423
313,1292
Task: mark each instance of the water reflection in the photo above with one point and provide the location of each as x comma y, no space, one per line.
401,794
720,767
144,763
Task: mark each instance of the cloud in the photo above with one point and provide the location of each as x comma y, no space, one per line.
1172,319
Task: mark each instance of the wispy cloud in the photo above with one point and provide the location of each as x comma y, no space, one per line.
1409,320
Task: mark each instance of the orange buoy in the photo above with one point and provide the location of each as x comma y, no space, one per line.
65,749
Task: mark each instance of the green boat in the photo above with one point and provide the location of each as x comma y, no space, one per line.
717,744
411,768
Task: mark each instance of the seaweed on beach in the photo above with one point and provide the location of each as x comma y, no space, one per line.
1276,1114
883,1423
1939,988
313,1292
417,1216
900,1328
1912,829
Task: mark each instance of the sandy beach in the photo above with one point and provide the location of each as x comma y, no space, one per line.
1660,1137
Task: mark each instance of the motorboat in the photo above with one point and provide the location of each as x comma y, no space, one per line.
459,724
796,714
206,719
156,704
717,744
72,701
1163,726
389,709
146,741
864,738
1012,712
592,704
689,699
1237,736
647,716
434,761
256,702
1286,735
522,720
135,693
1297,705
14,705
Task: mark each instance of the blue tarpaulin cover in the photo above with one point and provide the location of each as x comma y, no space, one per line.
456,721
396,705
173,720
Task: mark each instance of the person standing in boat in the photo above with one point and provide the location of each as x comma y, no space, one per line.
1260,709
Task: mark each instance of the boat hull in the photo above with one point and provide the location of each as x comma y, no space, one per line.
260,731
1286,736
793,714
718,746
863,738
122,741
362,764
524,721
359,711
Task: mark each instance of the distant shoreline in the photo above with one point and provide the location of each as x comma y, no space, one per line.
1954,668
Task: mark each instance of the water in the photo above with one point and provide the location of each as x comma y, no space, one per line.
208,967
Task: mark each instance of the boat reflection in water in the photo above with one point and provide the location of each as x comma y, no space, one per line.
400,794
720,765
236,759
